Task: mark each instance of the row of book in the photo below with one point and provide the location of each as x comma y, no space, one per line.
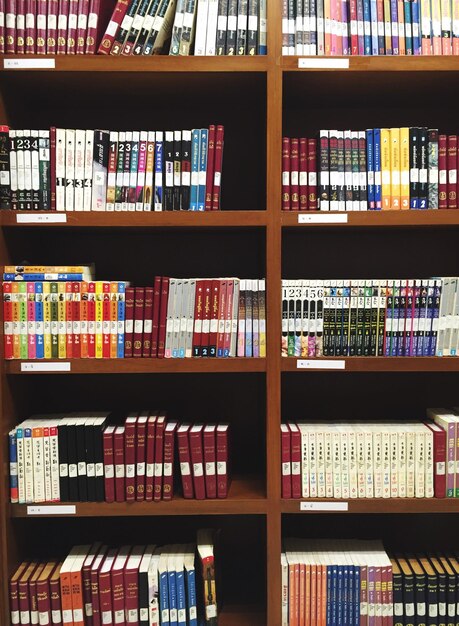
147,585
414,317
373,169
183,27
99,170
367,459
84,458
370,27
59,315
356,582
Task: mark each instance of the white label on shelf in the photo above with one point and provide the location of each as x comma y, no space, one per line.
324,506
321,364
58,509
29,64
45,367
48,218
326,218
337,64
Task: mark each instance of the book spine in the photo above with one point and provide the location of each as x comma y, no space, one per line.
209,445
113,26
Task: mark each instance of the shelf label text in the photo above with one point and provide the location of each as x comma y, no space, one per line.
324,506
321,364
45,367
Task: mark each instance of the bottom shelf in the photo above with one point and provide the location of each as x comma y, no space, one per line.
234,615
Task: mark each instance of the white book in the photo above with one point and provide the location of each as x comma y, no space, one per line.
235,314
410,461
69,169
126,173
285,589
190,318
20,463
401,455
353,462
420,437
337,452
361,464
80,141
177,314
386,462
211,36
27,151
35,168
201,28
28,463
429,462
454,344
20,166
304,460
345,492
187,288
47,460
88,158
170,318
320,460
312,462
119,176
450,308
377,461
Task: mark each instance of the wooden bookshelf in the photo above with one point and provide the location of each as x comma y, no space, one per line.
258,99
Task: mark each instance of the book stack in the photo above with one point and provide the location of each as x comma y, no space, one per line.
370,317
80,457
374,169
99,170
147,585
200,27
370,27
51,27
368,459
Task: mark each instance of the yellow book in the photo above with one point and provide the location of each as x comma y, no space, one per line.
385,168
395,167
47,320
61,321
404,168
99,318
113,319
16,323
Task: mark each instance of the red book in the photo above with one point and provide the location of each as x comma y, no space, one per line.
20,26
118,456
206,315
303,175
129,323
139,304
97,19
10,26
210,460
210,168
105,585
86,580
52,165
150,457
155,322
353,27
312,175
91,320
69,320
294,173
286,462
198,315
159,455
76,320
109,464
285,174
23,590
168,466
141,440
213,322
117,586
218,162
221,317
8,320
106,320
94,577
147,322
439,439
197,460
183,446
42,13
72,26
113,27
2,27
55,593
222,443
163,316
14,593
62,22
30,23
82,26
131,585
452,171
51,39
129,455
295,459
43,594
33,593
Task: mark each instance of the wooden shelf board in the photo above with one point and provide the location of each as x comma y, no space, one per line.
246,497
379,505
379,364
166,219
145,366
380,64
156,63
376,219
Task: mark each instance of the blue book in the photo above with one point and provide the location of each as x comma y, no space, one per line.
172,587
39,322
357,595
20,463
340,596
334,602
13,466
346,594
195,152
181,593
159,157
374,28
203,142
42,276
121,318
370,169
350,595
367,27
416,27
163,591
377,166
408,27
192,609
329,595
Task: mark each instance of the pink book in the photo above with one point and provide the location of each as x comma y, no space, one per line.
2,27
62,26
42,15
93,21
72,26
334,18
20,26
31,27
210,459
228,317
31,320
10,23
286,462
82,26
222,443
51,40
295,459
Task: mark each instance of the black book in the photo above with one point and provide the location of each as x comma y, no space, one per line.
408,592
414,169
312,321
90,459
451,587
442,586
252,30
185,170
146,27
346,320
334,176
62,432
397,593
423,168
284,316
100,169
374,318
332,325
125,27
150,43
45,173
231,34
355,161
401,322
80,432
241,40
13,169
360,318
419,591
27,151
326,322
136,27
168,173
367,319
72,458
353,319
5,188
395,318
99,424
339,319
222,25
431,592
177,193
324,170
341,168
319,324
35,169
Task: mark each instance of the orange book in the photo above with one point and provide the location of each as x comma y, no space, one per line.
68,319
84,320
318,592
76,581
302,608
291,592
113,319
313,594
324,595
307,595
66,588
16,316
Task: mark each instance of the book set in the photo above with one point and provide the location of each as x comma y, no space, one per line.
147,585
54,312
357,582
100,170
370,27
414,317
85,458
370,170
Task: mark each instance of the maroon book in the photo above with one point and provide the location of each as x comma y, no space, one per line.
31,26
168,466
86,583
141,439
118,455
155,317
295,458
159,456
14,593
210,460
150,457
10,26
117,585
303,174
213,322
33,593
183,445
113,26
62,22
43,594
23,590
129,455
163,316
94,20
286,462
210,168
2,28
51,32
94,578
218,163
222,295
147,322
139,303
42,13
72,26
439,445
312,175
52,165
109,464
452,171
222,460
129,323
198,317
105,585
55,595
286,174
131,585
82,26
20,26
206,316
294,174
197,461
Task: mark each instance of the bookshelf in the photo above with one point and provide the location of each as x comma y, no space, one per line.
257,99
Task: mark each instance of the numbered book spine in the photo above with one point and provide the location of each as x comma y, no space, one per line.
146,27
168,198
404,168
189,20
177,179
231,35
211,35
158,197
100,166
222,25
133,166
